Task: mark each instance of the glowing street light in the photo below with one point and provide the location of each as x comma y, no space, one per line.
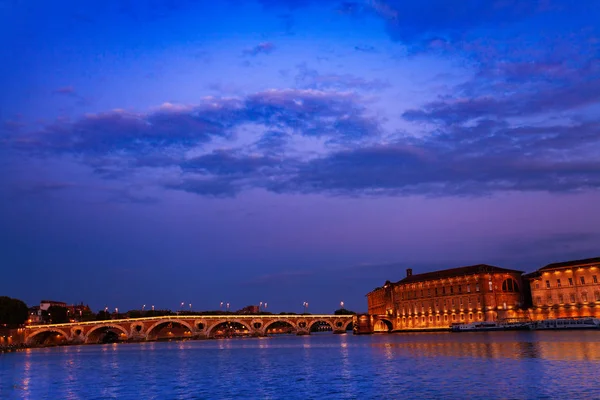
190,307
342,304
227,307
221,306
144,306
305,304
152,307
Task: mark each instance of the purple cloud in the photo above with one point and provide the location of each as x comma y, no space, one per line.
261,48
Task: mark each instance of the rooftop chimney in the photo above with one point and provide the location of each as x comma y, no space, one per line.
409,272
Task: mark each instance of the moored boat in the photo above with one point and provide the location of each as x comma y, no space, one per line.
567,323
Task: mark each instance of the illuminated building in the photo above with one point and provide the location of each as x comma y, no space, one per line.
436,300
566,289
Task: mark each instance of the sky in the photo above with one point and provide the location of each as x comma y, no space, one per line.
290,151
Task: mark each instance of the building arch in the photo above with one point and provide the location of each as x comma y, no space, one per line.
30,338
385,325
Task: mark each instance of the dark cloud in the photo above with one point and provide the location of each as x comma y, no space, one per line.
365,49
261,48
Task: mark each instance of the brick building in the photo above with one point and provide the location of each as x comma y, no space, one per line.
566,289
436,300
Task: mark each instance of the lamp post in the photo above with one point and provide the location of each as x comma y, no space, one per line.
117,312
265,306
227,307
305,304
153,308
342,304
144,306
190,307
221,306
260,306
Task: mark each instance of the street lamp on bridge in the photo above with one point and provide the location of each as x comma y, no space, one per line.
342,304
305,304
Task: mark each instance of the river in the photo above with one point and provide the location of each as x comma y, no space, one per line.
482,365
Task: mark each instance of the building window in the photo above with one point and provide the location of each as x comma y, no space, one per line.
445,318
582,279
436,292
560,299
430,318
510,285
452,303
478,302
491,286
597,296
423,319
451,289
459,289
477,287
570,281
444,290
538,301
437,318
549,300
558,283
572,297
468,288
428,292
462,317
595,279
461,302
469,302
584,297
471,316
453,317
479,316
547,284
537,285
421,293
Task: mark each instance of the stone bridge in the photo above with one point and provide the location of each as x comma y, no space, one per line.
183,326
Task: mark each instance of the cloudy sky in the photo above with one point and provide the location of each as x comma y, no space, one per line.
284,151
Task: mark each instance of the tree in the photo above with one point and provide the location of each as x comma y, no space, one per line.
103,316
343,311
58,314
13,312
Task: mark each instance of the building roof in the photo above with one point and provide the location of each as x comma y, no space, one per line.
455,272
595,260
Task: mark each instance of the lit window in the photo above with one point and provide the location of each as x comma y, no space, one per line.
461,301
438,318
582,279
570,281
477,287
468,288
491,286
547,284
558,283
595,279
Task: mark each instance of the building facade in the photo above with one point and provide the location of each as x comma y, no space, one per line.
566,289
436,300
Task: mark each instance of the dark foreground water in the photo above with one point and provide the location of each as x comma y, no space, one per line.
507,365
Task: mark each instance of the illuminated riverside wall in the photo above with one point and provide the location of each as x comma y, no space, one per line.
436,300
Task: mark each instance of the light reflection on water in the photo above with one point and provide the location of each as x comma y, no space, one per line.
426,365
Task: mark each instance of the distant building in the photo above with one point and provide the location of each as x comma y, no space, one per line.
436,300
46,304
566,289
249,310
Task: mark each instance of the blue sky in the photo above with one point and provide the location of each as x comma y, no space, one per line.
291,151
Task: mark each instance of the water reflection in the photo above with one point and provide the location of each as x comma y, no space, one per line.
320,366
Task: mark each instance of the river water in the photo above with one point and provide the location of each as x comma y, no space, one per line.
482,365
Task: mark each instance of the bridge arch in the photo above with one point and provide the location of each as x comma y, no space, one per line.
279,320
316,321
36,334
101,326
229,320
167,321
